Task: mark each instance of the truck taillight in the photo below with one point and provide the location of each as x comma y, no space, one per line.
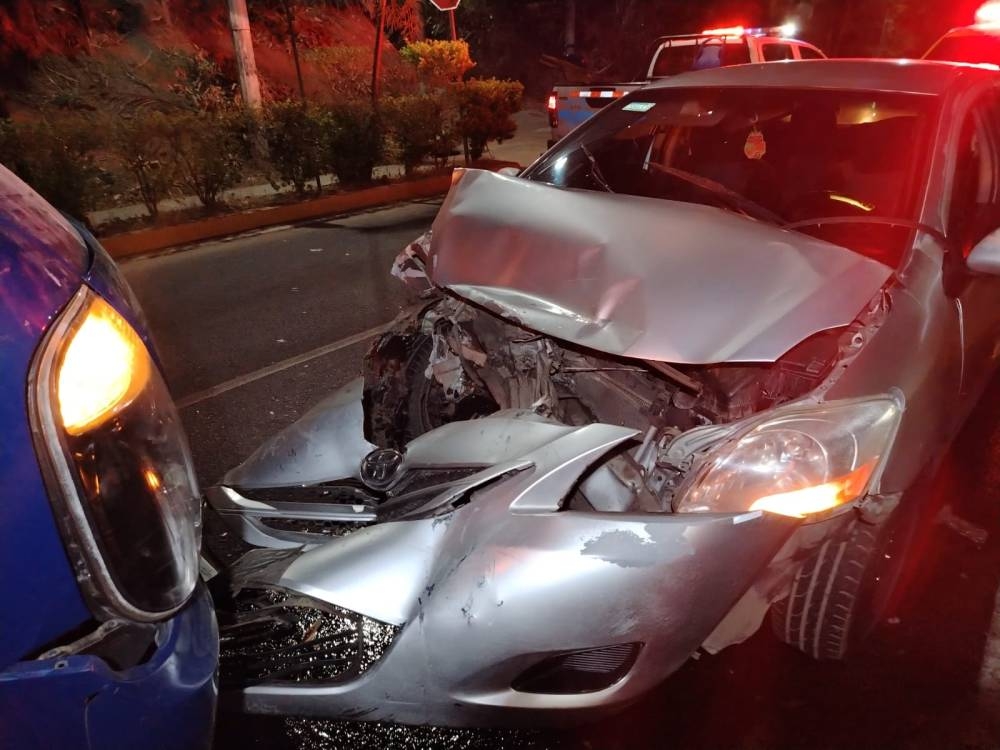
553,108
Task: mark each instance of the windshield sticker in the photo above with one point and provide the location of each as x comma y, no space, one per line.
639,106
756,147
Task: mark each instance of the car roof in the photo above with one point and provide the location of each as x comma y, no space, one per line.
686,40
904,76
979,29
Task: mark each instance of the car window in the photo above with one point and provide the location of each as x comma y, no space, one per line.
974,209
776,154
703,54
774,52
810,53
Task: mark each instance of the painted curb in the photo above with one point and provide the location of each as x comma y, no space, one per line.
143,241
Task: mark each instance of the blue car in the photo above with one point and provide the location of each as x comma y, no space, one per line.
107,638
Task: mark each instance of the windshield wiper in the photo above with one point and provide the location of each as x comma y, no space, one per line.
885,221
739,202
595,169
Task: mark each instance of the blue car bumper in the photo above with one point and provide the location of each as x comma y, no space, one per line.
166,702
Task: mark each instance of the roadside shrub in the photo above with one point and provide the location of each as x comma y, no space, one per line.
294,133
143,144
200,82
210,153
438,62
345,73
354,141
486,108
56,158
420,128
11,149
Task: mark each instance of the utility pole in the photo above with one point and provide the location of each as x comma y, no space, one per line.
377,64
239,22
293,37
569,46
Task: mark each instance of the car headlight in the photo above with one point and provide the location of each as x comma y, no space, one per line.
117,463
797,462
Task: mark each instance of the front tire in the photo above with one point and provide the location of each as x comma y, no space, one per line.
824,614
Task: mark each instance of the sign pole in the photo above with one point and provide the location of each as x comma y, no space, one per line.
449,6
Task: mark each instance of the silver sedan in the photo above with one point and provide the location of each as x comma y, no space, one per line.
692,369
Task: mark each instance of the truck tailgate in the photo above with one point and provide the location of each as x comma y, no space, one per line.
577,104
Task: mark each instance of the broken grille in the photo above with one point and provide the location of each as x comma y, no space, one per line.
278,637
331,529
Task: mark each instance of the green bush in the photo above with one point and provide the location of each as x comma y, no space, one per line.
354,141
486,108
143,143
210,153
294,133
420,128
439,63
56,157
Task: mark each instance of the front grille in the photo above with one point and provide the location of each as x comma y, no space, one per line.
420,479
332,529
336,494
280,637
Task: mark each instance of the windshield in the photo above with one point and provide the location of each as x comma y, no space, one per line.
778,155
976,49
681,56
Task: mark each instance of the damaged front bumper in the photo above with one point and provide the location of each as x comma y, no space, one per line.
535,620
476,594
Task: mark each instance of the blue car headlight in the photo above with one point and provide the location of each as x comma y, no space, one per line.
117,463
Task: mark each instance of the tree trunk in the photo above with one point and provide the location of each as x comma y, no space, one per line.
293,39
377,63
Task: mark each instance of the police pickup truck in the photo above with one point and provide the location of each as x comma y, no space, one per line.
569,106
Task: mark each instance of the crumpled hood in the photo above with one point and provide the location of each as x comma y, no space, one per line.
642,277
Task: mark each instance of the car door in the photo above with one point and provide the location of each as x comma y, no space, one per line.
974,212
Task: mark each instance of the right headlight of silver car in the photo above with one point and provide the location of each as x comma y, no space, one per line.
797,461
117,463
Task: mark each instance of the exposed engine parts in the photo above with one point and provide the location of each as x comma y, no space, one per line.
454,361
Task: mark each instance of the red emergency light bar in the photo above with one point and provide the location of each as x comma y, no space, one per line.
786,29
727,31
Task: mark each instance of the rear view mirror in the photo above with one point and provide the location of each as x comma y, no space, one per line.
985,256
510,171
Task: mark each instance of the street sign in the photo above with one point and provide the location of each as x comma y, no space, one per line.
446,4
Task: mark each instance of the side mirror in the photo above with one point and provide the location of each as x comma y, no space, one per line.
510,171
985,256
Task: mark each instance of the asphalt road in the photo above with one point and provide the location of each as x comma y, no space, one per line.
236,313
256,329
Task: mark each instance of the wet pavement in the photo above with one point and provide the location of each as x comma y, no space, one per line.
261,314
